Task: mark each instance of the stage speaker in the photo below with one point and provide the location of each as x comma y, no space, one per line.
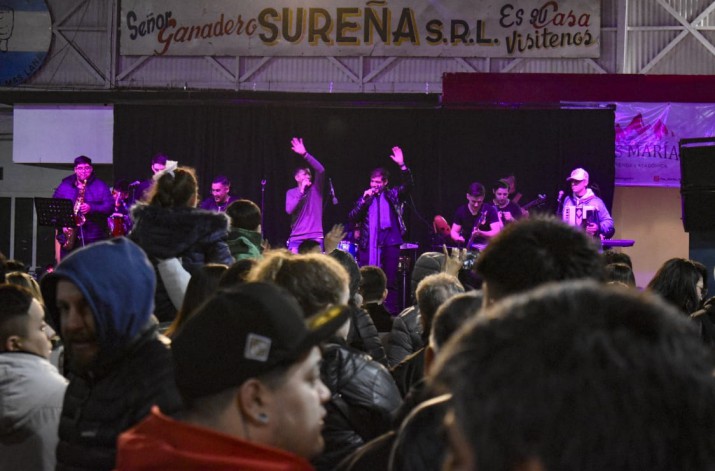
697,183
699,211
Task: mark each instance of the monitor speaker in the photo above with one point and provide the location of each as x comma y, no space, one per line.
697,183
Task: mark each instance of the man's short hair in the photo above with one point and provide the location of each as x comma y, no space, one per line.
578,376
499,184
373,283
82,159
244,214
476,190
452,315
308,246
302,167
222,179
432,292
159,159
619,273
536,250
15,303
316,280
380,172
610,256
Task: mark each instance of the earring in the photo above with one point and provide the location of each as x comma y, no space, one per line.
263,417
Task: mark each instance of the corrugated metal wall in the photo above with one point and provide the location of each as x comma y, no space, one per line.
638,36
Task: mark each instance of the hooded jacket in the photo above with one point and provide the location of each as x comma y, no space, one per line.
245,244
605,221
193,235
132,370
31,392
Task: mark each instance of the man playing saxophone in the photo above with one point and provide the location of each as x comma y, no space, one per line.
92,203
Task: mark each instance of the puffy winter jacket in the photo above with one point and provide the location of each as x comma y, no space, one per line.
364,401
405,337
195,236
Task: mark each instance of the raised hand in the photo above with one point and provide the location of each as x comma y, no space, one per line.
453,262
333,237
297,145
397,156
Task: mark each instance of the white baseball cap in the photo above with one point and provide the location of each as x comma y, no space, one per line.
578,174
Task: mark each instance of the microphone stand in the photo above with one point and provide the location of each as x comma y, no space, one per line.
560,205
263,204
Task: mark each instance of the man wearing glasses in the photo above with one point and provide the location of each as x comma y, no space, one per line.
92,203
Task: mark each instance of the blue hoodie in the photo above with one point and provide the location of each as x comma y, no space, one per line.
118,282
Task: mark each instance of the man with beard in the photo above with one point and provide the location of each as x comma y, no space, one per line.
118,367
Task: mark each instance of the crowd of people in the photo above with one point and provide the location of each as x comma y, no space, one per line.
210,350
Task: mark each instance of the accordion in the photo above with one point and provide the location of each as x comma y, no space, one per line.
580,215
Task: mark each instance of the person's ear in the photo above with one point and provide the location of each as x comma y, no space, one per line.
13,344
254,401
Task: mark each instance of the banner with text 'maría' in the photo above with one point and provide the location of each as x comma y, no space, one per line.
647,137
387,28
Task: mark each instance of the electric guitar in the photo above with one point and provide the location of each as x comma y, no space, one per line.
541,199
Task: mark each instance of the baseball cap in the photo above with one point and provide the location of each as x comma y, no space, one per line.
245,332
578,175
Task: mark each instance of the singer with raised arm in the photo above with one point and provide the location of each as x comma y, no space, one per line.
475,223
586,210
92,204
304,202
378,214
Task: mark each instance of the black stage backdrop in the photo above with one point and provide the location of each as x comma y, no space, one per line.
446,149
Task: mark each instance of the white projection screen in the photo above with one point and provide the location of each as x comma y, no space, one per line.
56,134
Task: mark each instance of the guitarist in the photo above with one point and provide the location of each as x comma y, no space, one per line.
507,210
475,221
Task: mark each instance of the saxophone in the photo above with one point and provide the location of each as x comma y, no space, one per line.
79,218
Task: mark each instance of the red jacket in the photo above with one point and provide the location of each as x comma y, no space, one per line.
159,442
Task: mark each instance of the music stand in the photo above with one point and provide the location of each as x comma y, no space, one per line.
55,212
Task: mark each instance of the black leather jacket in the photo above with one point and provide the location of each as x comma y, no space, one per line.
396,196
364,401
405,337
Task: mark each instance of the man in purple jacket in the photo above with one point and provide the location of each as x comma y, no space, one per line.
93,203
304,203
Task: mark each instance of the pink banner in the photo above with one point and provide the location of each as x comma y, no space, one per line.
647,136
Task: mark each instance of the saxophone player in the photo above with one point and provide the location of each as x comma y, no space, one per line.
92,202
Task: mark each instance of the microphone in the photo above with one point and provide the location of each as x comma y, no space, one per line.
561,197
135,183
332,191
